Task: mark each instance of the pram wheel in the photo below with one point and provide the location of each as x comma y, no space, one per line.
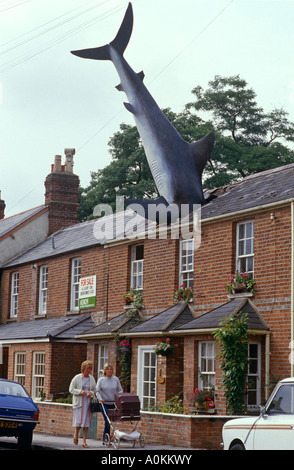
115,442
107,440
142,442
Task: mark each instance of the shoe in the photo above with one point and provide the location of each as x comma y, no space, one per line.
75,440
85,445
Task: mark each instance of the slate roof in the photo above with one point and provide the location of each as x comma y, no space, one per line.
11,223
83,235
119,324
165,321
54,328
212,319
262,188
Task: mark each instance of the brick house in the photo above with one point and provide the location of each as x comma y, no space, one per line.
247,226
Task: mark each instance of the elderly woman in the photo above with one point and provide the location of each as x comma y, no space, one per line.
82,387
107,387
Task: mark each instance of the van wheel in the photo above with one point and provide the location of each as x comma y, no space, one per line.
237,446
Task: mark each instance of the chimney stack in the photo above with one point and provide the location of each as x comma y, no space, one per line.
62,193
2,207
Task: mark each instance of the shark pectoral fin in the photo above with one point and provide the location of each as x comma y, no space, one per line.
201,151
129,107
119,87
141,75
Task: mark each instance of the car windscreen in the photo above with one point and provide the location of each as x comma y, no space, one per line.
283,401
14,389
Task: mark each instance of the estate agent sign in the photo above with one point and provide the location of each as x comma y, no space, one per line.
87,292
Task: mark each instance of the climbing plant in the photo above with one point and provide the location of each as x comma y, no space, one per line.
232,340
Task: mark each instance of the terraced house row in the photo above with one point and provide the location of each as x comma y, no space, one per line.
46,331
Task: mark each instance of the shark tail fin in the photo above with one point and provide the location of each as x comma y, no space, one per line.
201,151
119,43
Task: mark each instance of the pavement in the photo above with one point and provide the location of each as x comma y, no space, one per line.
43,441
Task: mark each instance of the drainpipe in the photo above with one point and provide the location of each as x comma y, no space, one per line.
292,290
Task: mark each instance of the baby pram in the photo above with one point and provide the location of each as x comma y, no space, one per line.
127,408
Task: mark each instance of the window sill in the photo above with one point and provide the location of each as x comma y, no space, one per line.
240,295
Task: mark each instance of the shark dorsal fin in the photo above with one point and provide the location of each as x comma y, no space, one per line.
201,151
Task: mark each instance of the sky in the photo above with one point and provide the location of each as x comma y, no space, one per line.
51,100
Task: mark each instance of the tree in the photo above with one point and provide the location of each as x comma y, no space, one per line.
232,340
247,140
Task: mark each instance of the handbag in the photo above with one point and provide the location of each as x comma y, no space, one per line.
94,405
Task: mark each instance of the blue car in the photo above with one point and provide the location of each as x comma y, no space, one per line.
18,413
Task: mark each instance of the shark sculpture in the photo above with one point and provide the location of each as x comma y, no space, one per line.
176,165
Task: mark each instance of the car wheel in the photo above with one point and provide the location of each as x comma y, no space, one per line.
237,446
25,440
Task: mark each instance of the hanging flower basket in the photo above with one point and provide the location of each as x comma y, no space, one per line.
240,282
182,293
164,347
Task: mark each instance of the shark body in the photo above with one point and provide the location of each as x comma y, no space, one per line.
176,165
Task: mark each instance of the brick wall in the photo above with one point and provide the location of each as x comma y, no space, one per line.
157,428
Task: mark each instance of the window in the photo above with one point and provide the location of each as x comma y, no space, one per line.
206,364
14,295
38,374
75,283
20,367
253,377
187,263
147,377
102,358
137,260
43,283
245,247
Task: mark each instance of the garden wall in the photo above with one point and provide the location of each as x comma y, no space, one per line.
196,431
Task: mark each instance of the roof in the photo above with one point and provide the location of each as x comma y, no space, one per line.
267,187
62,328
9,224
94,232
165,321
118,324
212,319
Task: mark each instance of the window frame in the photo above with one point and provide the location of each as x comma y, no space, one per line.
186,276
14,292
43,290
142,351
75,284
137,268
36,387
208,373
19,367
102,358
241,257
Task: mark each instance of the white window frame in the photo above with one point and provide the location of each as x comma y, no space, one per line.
20,367
14,294
243,256
256,376
186,276
206,364
43,288
137,267
102,358
38,373
146,399
75,283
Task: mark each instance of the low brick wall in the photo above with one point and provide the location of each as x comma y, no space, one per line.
196,431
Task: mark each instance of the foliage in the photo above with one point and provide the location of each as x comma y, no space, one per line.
182,293
174,405
200,397
124,356
134,297
238,279
164,347
232,340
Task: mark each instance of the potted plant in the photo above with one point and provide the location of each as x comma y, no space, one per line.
203,400
240,282
164,347
134,297
182,293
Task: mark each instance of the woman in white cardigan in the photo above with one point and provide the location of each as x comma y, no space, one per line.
82,388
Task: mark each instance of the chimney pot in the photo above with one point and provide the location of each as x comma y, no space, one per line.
69,153
57,163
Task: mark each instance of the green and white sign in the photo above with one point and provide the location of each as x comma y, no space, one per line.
87,292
